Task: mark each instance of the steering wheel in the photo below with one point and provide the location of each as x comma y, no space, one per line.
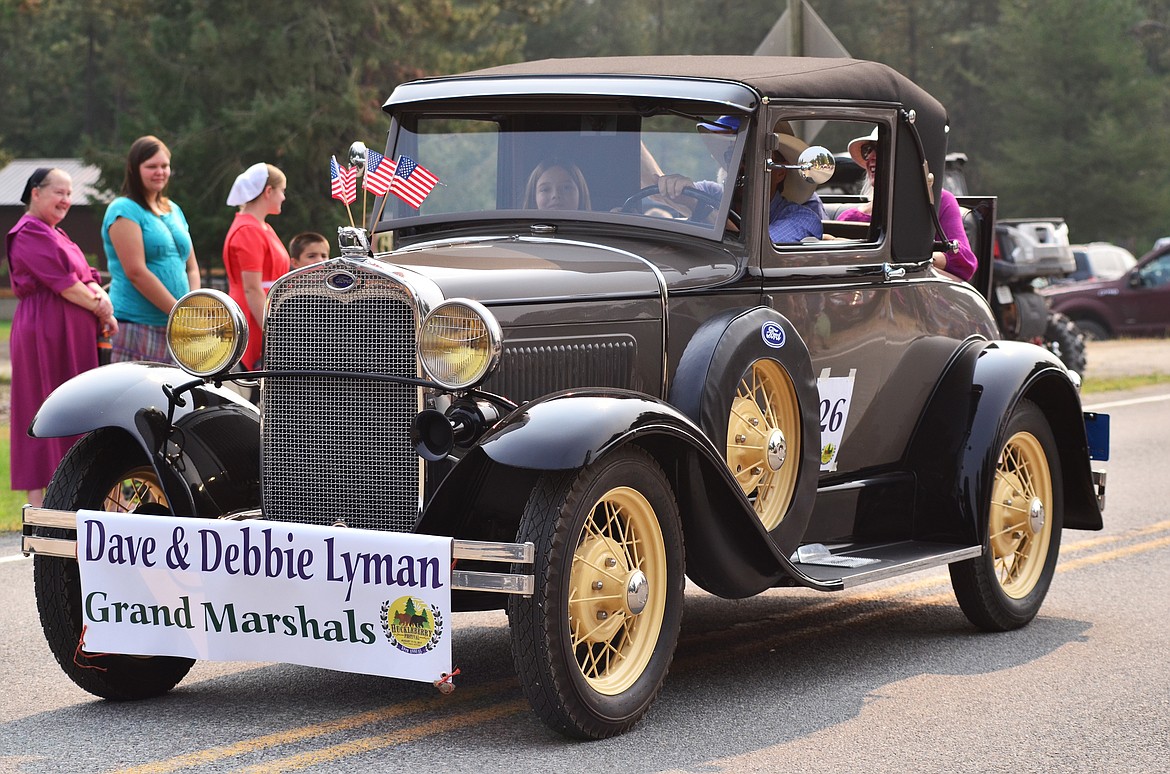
707,203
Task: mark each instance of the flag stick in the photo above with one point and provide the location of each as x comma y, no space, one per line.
365,196
378,217
347,209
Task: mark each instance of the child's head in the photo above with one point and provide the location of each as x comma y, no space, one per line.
308,248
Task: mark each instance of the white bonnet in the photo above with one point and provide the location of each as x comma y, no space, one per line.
249,184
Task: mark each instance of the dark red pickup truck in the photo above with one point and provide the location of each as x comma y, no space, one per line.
1135,304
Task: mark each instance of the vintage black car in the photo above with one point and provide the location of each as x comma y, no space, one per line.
643,387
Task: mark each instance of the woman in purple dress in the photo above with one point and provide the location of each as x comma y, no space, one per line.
60,309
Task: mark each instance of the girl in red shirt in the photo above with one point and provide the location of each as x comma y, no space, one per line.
253,254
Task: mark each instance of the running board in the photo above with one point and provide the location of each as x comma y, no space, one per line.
852,564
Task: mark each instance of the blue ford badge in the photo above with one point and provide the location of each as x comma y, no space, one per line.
772,334
341,281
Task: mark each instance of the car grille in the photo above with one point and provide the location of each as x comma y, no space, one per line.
339,449
537,368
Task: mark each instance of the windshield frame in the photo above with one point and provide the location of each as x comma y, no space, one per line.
636,109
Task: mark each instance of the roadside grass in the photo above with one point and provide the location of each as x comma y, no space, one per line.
1120,383
10,502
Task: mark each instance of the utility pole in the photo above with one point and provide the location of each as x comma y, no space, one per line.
796,27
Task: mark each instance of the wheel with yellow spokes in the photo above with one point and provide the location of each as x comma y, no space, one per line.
764,440
105,471
1004,588
593,643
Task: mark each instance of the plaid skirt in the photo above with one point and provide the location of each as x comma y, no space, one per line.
135,341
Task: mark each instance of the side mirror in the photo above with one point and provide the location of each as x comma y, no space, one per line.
1135,280
815,164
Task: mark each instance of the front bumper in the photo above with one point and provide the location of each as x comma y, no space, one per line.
33,544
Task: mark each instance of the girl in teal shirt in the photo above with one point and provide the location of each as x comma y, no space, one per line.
150,254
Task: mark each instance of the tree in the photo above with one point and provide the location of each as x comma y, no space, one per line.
1081,120
290,82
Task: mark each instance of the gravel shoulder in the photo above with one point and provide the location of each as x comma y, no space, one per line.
1126,357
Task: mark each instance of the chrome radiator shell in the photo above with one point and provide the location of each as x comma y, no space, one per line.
338,449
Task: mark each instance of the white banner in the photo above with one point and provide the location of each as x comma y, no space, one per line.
354,600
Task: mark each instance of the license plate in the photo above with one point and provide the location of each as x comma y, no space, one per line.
1097,430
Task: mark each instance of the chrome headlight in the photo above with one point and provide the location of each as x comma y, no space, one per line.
207,332
459,343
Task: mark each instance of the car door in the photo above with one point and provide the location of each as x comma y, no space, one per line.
1145,299
878,336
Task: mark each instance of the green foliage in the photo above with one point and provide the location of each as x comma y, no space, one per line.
1060,104
1095,386
290,82
1079,140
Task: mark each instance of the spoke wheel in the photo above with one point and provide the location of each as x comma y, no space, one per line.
763,439
1019,528
617,591
1004,588
105,470
139,490
593,643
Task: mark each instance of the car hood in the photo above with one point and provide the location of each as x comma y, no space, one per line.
1090,287
501,271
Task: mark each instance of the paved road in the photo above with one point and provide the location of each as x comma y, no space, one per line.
884,678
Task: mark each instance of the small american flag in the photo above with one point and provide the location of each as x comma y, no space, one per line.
412,182
379,173
342,181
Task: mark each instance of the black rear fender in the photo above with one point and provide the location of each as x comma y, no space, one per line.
955,448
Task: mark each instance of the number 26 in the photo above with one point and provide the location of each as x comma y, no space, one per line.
832,414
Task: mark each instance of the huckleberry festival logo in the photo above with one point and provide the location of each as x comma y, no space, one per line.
412,625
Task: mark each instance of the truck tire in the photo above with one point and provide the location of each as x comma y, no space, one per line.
1064,339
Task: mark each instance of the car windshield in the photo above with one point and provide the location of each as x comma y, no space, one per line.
584,165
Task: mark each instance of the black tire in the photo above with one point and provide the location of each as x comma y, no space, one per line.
105,470
1064,339
1093,330
1004,588
598,682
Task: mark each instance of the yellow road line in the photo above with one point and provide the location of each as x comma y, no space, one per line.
256,744
902,603
515,706
1118,553
382,741
1149,529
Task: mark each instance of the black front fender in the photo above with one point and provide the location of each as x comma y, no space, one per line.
567,430
729,553
207,456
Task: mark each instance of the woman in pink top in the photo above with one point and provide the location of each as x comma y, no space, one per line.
61,307
962,264
253,254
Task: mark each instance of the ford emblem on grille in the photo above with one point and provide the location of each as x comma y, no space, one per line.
341,281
